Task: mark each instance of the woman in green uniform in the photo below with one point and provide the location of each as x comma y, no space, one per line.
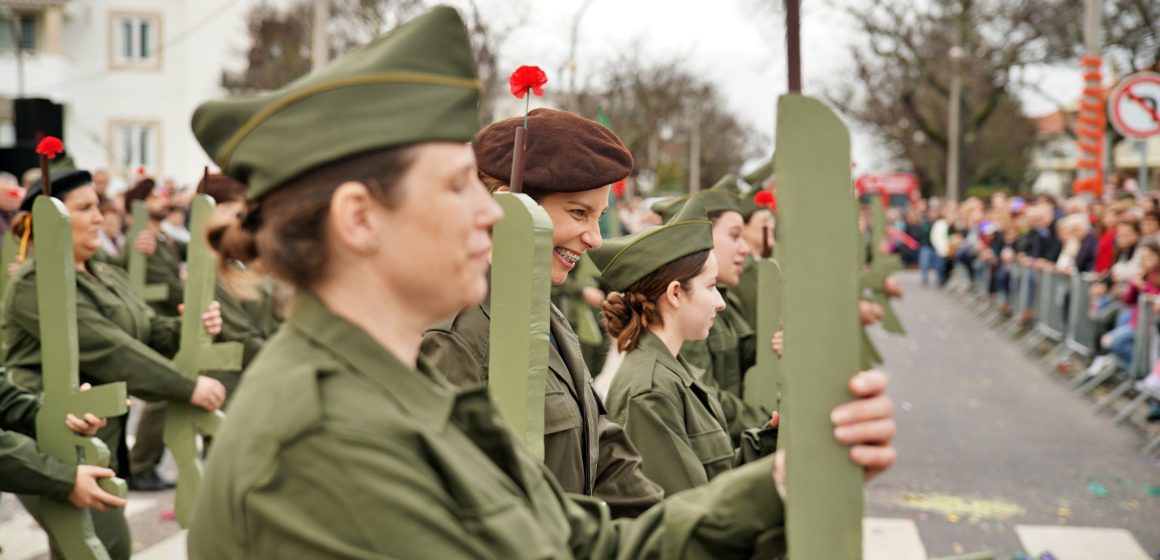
570,164
118,336
344,442
664,283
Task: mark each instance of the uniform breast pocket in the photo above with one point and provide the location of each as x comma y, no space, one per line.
560,412
714,449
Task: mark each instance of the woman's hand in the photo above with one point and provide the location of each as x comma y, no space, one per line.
866,424
88,425
212,319
86,493
209,393
777,343
146,242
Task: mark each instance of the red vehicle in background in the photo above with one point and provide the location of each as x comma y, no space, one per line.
897,189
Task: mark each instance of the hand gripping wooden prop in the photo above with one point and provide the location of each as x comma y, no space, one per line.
137,262
71,529
521,283
197,353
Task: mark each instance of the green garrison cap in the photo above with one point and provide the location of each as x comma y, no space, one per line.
415,84
760,175
722,197
624,261
728,184
668,207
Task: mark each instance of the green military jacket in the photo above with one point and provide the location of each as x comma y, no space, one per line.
164,267
336,449
728,352
588,454
119,338
249,322
676,420
23,468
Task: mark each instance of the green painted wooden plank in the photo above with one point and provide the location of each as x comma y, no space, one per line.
882,266
183,421
71,528
137,261
9,252
521,283
763,381
587,325
820,289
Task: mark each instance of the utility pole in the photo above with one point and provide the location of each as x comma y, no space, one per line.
954,107
320,52
695,151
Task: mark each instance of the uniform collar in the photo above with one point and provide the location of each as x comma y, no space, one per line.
423,394
650,342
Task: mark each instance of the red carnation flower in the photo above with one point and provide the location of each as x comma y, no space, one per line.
50,147
766,199
525,78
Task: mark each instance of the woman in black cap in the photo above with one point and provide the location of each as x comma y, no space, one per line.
119,337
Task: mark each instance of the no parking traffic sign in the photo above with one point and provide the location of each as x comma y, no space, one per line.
1134,106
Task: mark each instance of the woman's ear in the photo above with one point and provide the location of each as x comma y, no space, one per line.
504,188
673,294
352,221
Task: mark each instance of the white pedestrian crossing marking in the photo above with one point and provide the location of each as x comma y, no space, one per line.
891,539
1080,543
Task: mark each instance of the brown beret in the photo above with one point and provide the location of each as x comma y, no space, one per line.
565,153
141,190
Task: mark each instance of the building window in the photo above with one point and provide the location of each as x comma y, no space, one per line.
26,29
135,145
134,40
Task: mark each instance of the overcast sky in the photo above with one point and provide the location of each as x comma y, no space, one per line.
736,43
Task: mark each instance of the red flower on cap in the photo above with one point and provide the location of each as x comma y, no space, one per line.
141,170
527,78
766,199
50,147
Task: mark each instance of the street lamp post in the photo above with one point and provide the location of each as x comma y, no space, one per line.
953,117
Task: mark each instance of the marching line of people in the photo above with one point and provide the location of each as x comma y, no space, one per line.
361,426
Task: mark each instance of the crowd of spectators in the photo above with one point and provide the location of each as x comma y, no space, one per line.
1114,242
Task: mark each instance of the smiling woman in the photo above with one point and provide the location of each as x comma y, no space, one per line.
570,164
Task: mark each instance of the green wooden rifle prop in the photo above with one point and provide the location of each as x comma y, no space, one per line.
763,381
71,528
137,262
198,352
882,265
521,284
824,488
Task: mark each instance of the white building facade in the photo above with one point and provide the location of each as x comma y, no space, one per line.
129,74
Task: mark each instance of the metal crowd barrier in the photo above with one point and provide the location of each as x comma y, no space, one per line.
1137,367
1061,303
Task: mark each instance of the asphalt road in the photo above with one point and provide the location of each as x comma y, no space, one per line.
988,440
